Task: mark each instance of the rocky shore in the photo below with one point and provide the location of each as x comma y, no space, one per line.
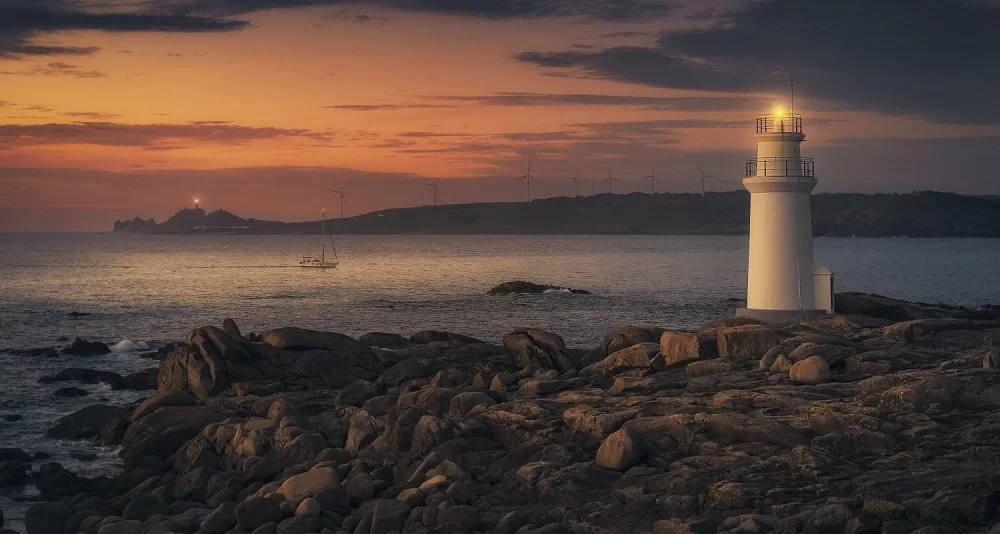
881,423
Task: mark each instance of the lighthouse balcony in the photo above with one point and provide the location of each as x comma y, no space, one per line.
781,168
775,123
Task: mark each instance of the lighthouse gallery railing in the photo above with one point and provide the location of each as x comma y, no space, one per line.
781,168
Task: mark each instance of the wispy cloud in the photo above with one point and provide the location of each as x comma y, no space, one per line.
692,103
385,107
56,69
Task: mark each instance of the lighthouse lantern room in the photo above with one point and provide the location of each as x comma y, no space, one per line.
782,281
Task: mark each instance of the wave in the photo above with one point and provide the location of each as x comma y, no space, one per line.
127,345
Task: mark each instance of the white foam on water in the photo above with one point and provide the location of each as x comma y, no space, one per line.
127,345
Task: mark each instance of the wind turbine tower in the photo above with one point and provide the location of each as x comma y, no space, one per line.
527,178
652,181
611,180
434,185
576,183
782,282
341,193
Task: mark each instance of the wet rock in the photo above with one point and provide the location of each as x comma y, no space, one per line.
520,287
137,381
829,519
121,527
12,454
812,370
12,473
86,423
70,392
86,376
256,511
81,347
12,417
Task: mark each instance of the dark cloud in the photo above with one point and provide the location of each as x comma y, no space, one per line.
671,103
56,69
605,10
147,136
22,21
385,107
625,35
925,57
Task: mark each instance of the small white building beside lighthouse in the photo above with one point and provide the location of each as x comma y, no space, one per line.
782,281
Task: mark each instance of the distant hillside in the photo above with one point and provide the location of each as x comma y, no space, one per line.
921,214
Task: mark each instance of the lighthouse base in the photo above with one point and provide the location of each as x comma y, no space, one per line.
778,316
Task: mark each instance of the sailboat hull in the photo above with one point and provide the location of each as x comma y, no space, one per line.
318,264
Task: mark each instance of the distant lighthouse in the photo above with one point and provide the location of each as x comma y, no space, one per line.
782,281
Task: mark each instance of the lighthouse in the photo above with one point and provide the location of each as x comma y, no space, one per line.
783,283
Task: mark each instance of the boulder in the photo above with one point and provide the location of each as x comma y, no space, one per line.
229,326
159,400
162,432
385,341
81,347
430,336
46,518
638,356
621,450
686,347
213,361
137,381
307,484
625,336
220,520
748,342
143,507
534,347
12,473
86,376
256,511
462,403
388,515
812,370
86,423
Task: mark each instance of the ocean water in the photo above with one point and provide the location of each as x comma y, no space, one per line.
154,289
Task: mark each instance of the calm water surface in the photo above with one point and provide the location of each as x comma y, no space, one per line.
156,288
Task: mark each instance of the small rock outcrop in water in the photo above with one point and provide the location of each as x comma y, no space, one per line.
82,347
840,424
521,287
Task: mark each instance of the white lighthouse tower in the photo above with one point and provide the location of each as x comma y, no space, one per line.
782,281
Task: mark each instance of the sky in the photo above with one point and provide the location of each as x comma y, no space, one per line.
111,109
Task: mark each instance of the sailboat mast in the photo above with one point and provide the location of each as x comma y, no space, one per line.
322,239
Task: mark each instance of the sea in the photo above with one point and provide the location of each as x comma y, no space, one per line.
152,289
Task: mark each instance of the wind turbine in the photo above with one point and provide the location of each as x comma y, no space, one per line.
611,179
576,184
341,193
652,180
434,185
527,178
701,178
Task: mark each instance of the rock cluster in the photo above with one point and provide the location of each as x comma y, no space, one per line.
840,424
520,287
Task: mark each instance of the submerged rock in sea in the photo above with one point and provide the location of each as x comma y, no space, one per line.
71,391
82,347
520,287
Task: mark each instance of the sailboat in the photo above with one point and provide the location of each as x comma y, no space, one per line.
320,262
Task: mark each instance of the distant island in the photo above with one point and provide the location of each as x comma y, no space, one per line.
919,214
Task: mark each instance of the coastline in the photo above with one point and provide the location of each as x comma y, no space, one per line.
682,430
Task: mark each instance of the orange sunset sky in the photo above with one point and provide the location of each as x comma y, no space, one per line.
112,109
